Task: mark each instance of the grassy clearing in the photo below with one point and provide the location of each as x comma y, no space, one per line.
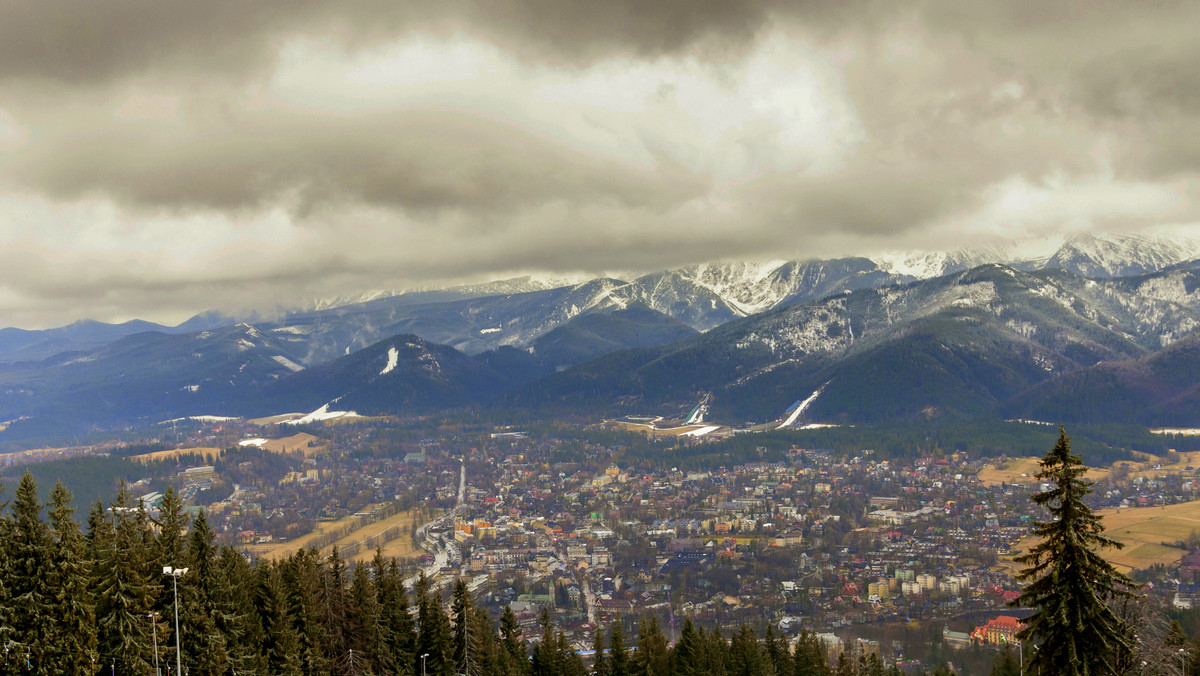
401,546
1142,530
1022,471
297,443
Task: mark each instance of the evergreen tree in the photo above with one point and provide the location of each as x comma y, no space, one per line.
302,578
394,619
618,651
73,608
124,596
281,645
1070,584
366,626
652,657
547,657
715,652
686,656
204,646
745,656
31,609
845,664
514,660
6,628
232,606
434,638
600,663
487,651
778,657
338,607
464,643
809,657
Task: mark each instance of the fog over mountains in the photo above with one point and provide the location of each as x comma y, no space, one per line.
915,336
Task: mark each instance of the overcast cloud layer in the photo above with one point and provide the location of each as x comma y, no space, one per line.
159,158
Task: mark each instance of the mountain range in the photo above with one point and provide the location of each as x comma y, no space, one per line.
896,338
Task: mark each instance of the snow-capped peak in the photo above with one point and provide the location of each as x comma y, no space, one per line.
927,264
1113,255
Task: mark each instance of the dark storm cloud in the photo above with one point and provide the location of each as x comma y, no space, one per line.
420,160
82,41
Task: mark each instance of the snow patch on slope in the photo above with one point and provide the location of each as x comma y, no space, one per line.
320,415
393,359
287,363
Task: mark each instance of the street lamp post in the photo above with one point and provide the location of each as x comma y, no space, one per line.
154,633
174,574
423,663
1183,660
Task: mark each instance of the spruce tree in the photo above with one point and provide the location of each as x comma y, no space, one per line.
715,651
434,639
809,657
233,609
73,606
32,617
652,657
600,663
367,631
778,655
281,645
1070,585
124,597
686,655
745,655
394,618
204,645
618,652
6,628
302,579
513,657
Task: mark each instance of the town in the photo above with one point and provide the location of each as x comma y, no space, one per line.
907,559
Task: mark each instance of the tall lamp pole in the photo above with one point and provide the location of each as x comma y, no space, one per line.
423,663
174,574
154,633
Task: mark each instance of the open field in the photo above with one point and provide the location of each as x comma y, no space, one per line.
400,546
208,452
1142,530
1021,471
297,443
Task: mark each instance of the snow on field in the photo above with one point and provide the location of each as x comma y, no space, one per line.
393,359
211,418
252,442
1031,422
491,330
287,363
701,431
321,414
791,419
1181,431
817,426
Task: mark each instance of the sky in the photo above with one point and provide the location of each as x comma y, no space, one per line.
159,158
